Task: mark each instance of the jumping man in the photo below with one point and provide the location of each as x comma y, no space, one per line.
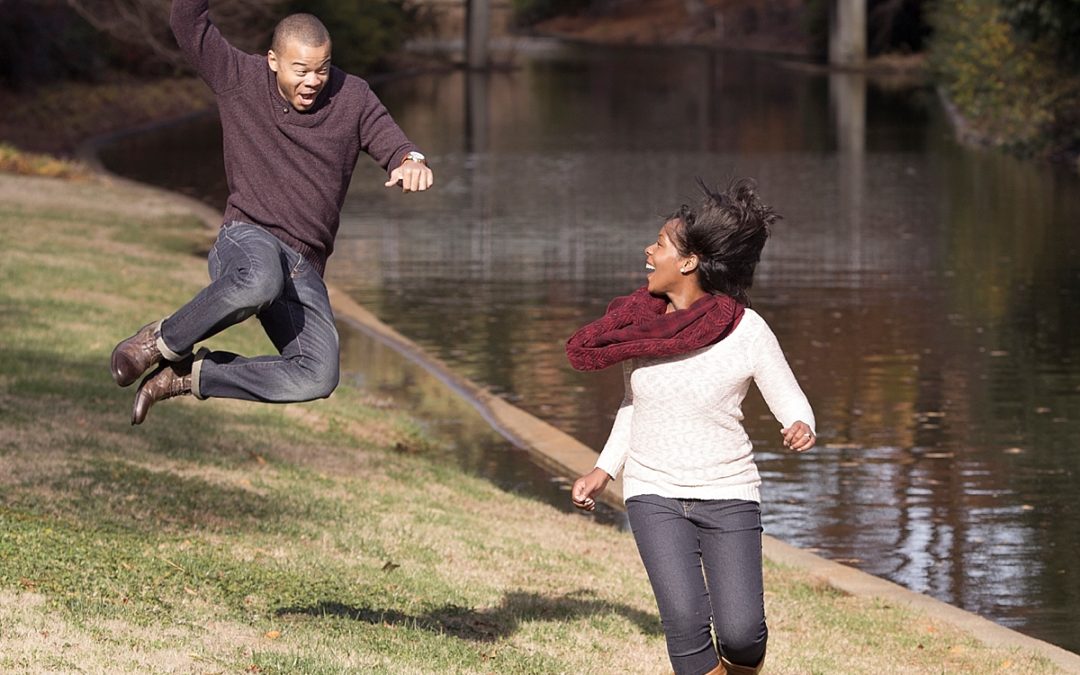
293,127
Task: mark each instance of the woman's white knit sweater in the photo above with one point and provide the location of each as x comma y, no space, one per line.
679,433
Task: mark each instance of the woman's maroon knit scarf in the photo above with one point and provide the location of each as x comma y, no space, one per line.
636,325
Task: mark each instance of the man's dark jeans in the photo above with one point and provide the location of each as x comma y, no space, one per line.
253,273
677,539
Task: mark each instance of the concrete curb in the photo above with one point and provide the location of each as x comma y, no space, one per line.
564,455
555,450
856,582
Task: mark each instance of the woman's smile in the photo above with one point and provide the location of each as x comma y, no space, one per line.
662,261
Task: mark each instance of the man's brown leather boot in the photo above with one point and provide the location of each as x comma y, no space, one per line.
132,357
168,381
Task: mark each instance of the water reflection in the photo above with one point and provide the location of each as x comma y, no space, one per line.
926,296
910,283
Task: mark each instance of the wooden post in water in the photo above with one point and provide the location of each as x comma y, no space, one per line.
477,33
847,103
847,33
476,112
847,99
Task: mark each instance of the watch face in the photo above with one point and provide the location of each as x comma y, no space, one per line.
415,156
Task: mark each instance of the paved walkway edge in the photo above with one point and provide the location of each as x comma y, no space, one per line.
566,456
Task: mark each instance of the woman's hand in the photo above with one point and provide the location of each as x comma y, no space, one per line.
587,487
799,437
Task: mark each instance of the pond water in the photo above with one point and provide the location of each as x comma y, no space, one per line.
927,296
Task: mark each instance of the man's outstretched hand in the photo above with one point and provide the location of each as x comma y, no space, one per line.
412,177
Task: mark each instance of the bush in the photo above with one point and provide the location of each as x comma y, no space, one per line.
1056,22
1012,91
896,26
363,33
43,41
528,12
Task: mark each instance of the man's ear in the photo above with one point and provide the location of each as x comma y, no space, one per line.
271,60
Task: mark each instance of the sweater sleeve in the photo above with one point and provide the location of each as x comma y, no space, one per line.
777,383
380,136
214,59
613,457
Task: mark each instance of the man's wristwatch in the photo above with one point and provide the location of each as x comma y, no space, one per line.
413,156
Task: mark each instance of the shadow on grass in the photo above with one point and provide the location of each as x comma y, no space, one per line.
489,624
121,494
82,458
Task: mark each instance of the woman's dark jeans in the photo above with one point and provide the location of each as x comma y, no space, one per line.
677,539
253,273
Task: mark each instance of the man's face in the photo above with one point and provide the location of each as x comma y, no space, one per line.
302,72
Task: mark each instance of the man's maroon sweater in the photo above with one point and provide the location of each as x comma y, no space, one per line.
287,171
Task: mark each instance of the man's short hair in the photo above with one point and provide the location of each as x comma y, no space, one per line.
303,28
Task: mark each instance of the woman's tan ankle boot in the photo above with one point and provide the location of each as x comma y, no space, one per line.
728,668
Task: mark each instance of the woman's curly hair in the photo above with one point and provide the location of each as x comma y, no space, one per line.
726,231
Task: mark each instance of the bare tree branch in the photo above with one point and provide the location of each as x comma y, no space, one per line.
145,23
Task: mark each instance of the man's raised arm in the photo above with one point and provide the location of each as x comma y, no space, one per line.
214,59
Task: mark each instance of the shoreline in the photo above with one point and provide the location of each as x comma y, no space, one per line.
568,457
562,455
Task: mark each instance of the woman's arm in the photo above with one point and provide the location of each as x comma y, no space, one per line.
781,392
616,449
612,458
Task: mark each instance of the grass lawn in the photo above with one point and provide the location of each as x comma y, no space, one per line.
223,536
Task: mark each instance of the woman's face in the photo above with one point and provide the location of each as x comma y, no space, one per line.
664,262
